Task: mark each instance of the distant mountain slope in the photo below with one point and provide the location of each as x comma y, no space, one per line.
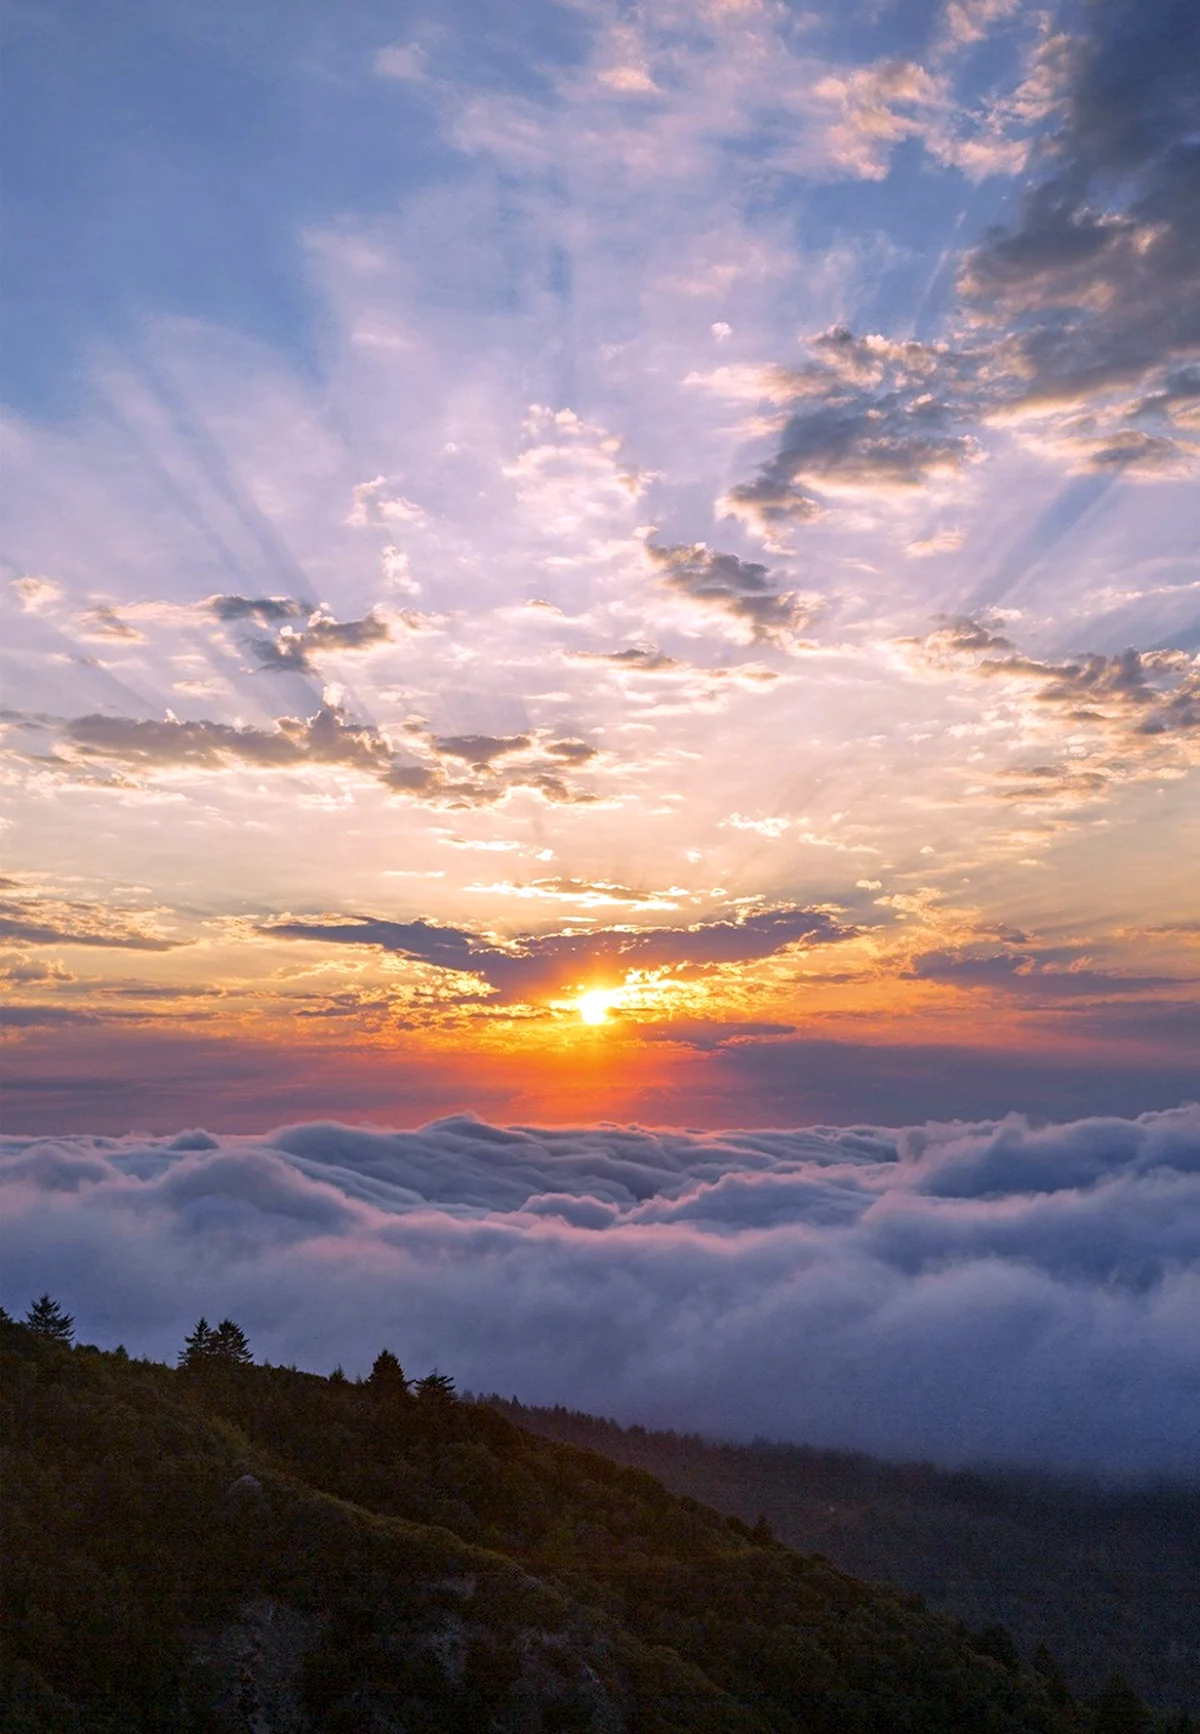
230,1549
1108,1578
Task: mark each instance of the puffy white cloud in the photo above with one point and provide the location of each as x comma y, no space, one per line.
963,1290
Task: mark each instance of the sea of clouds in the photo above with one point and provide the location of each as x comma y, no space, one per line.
964,1291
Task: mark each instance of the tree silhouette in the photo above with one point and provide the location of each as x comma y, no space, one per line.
435,1387
47,1319
230,1344
387,1374
197,1347
225,1346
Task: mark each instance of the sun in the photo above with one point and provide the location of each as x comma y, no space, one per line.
593,1007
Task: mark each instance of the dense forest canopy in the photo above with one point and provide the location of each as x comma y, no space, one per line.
222,1546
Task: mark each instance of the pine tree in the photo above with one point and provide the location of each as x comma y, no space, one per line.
387,1374
436,1387
198,1348
47,1319
230,1344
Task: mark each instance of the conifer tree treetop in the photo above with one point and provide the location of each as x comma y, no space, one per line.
48,1319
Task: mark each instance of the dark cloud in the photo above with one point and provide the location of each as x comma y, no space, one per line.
30,1017
637,658
1140,708
540,966
955,1291
571,752
1023,972
329,738
1101,274
965,635
706,1035
325,738
742,589
292,650
423,941
1088,307
771,502
52,921
23,1017
264,609
481,750
1162,1023
1138,692
560,962
866,416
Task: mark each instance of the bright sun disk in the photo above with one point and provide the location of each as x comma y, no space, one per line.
593,1007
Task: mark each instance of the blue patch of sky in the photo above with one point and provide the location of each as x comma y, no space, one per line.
164,161
865,30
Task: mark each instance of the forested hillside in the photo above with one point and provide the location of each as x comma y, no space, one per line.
1109,1578
223,1547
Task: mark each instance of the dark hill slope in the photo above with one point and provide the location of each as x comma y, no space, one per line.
256,1549
1108,1578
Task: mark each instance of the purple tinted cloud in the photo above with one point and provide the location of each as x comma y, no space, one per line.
982,1290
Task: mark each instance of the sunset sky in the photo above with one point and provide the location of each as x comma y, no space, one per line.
601,562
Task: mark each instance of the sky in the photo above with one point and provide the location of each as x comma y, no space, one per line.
585,561
582,577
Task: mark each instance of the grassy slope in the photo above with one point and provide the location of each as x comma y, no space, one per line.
422,1565
1108,1578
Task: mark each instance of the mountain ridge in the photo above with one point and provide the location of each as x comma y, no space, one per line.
1107,1574
220,1548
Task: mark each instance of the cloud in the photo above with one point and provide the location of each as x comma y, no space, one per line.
1082,319
706,1035
328,739
865,416
22,969
261,608
292,650
25,1017
939,542
105,622
587,893
1099,280
539,966
481,751
325,738
1023,972
1115,716
634,659
374,506
53,921
957,1291
877,106
740,589
35,593
1138,699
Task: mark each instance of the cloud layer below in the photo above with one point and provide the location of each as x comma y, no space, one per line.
961,1291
